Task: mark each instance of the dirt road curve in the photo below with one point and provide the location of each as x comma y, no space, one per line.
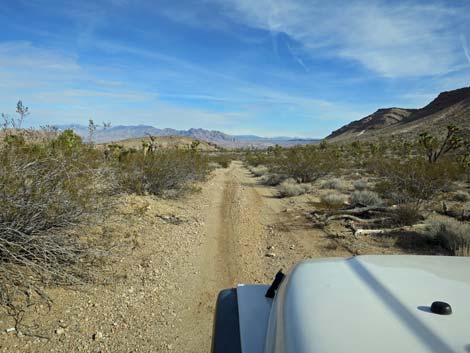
159,292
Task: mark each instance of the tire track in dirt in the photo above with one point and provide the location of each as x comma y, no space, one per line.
163,293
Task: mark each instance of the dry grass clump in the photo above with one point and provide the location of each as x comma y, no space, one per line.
332,201
462,196
360,185
290,188
272,179
259,170
450,234
334,184
366,198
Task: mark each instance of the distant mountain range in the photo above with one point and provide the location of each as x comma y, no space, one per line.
452,107
117,133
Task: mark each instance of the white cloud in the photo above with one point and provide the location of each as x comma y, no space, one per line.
393,39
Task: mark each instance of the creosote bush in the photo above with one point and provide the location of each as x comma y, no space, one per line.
451,234
290,188
222,159
414,180
305,163
406,215
157,173
44,189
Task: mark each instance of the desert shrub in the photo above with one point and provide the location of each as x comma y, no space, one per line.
462,196
450,234
259,170
332,201
367,198
290,188
414,180
334,184
272,179
214,165
360,185
222,159
305,163
160,171
44,189
405,215
257,158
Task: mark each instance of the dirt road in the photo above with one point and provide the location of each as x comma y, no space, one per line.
160,291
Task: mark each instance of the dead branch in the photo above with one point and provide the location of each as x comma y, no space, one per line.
389,230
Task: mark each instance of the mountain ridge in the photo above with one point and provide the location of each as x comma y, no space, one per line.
122,132
449,107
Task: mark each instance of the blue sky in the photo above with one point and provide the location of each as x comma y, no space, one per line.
268,67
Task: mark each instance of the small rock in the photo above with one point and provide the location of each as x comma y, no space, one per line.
59,331
270,247
97,336
10,329
270,254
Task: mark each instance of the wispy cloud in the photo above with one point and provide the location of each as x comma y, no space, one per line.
463,39
59,89
390,38
300,66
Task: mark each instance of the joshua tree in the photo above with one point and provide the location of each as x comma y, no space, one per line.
435,149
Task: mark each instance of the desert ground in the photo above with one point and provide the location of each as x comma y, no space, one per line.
157,290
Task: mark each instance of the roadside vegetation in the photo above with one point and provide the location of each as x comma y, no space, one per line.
388,188
54,182
51,182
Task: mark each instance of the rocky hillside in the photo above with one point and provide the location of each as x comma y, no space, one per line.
451,107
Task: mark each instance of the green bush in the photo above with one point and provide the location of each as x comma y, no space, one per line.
414,180
160,171
222,159
305,163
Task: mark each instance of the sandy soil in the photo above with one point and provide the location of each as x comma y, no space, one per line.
159,290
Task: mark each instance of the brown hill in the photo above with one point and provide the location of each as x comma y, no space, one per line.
451,107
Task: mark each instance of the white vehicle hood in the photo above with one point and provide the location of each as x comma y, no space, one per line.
364,304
